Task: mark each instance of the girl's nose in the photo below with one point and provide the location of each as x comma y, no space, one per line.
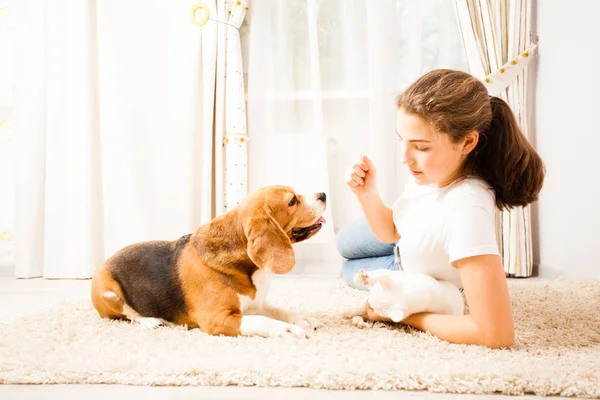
404,156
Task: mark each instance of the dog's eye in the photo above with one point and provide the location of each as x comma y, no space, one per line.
293,201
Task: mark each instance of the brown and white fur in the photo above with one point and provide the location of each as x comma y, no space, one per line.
217,278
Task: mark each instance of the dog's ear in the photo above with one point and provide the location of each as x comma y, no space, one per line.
268,245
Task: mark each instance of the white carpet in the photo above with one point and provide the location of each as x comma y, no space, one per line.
557,350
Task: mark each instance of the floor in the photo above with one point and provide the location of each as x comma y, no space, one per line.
23,296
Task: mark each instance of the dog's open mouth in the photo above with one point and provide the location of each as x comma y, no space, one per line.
301,233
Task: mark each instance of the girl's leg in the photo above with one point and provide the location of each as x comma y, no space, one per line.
363,250
356,240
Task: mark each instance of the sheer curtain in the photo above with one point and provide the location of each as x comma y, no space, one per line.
6,138
322,78
113,129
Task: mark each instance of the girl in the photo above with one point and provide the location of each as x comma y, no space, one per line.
466,156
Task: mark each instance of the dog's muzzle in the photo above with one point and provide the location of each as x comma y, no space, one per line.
300,233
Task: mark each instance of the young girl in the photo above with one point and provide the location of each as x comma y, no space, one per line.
467,157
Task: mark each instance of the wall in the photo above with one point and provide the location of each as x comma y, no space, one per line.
567,137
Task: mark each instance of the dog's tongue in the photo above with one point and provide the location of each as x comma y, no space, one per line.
321,219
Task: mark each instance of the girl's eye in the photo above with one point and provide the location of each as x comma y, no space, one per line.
422,148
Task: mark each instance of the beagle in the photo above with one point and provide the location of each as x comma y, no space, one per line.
216,278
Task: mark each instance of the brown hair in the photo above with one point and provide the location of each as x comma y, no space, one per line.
455,103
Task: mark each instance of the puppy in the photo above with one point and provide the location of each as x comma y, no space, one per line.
394,295
215,279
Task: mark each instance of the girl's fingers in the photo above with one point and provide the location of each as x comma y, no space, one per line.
356,174
367,162
349,179
353,180
358,180
358,170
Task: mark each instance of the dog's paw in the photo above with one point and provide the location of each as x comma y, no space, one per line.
359,322
307,323
149,323
361,278
283,329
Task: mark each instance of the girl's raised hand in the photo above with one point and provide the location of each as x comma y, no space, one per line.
360,177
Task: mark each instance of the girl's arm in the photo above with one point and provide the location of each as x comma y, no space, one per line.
490,322
361,179
379,217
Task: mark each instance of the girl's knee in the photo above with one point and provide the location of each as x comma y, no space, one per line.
351,237
343,243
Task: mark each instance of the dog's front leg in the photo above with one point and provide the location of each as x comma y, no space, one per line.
290,317
260,325
233,323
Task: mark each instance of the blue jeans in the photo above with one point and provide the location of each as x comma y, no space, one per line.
363,250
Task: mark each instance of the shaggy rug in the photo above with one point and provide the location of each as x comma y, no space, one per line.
557,349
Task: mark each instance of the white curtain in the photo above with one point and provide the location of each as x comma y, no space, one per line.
231,153
235,182
114,116
322,78
6,139
497,39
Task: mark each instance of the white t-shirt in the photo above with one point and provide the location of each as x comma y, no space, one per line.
438,226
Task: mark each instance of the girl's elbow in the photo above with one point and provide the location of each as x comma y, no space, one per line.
499,344
499,340
388,237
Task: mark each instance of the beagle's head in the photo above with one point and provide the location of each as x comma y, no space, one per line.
274,217
299,216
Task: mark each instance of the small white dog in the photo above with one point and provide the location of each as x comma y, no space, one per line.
394,295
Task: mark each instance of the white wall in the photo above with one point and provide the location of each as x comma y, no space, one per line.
6,146
567,136
6,201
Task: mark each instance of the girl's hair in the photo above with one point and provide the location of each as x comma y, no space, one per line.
455,103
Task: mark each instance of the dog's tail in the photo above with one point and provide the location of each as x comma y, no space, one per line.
107,296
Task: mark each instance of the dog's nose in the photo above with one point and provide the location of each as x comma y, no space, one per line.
321,196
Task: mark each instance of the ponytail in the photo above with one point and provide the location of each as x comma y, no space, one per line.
506,159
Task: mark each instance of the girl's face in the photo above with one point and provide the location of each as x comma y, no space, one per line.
429,155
